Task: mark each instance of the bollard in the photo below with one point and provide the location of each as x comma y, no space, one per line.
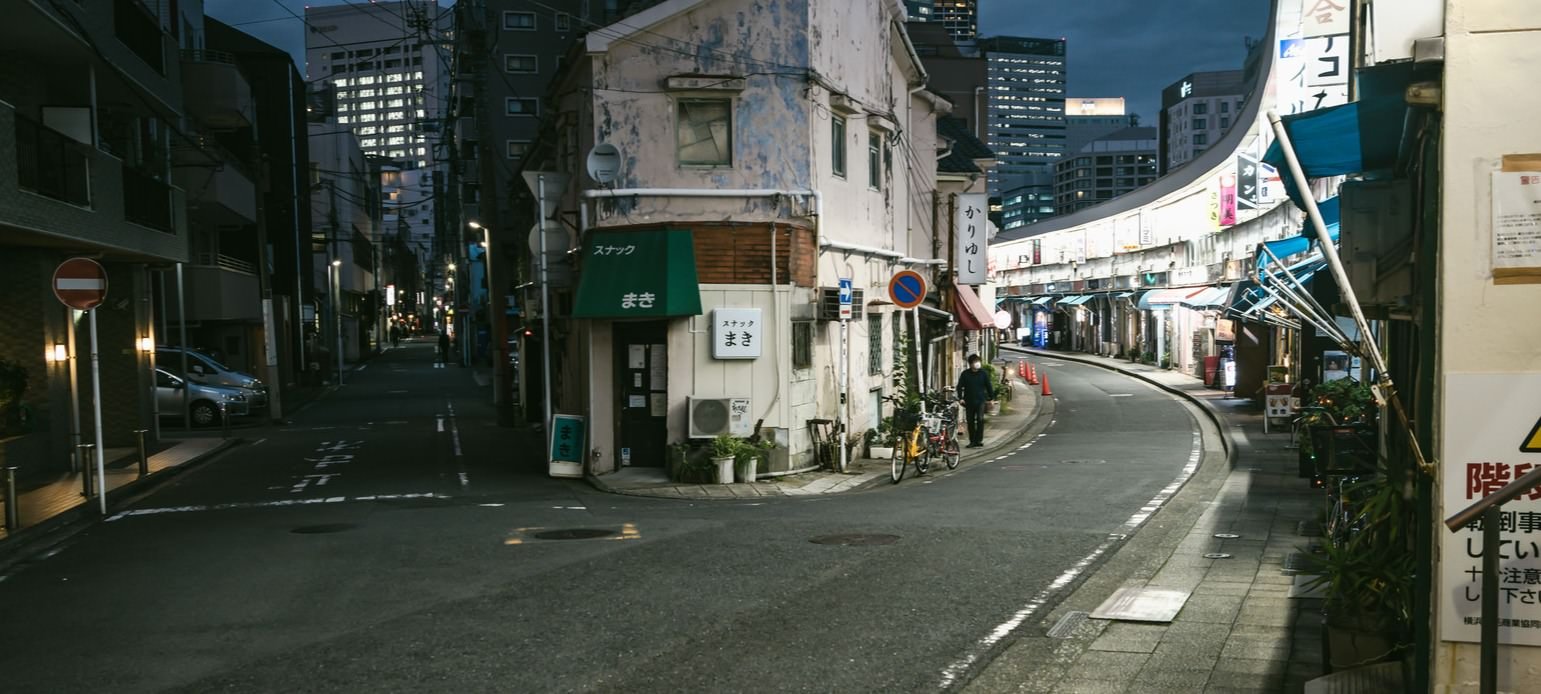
144,460
12,513
85,450
1046,390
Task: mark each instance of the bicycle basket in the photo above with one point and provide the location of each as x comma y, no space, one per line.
906,420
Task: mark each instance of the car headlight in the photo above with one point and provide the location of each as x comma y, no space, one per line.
235,397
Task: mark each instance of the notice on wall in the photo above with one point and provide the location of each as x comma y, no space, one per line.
636,356
1492,435
973,238
1516,226
658,372
737,333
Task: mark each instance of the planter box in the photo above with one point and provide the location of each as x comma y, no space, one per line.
881,452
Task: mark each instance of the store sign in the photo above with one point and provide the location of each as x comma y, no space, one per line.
567,445
1491,437
972,238
1325,18
1247,193
1227,199
1277,400
736,333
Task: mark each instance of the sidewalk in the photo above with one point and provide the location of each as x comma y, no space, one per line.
1001,431
1246,626
44,504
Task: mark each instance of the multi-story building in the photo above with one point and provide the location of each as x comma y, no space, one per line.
387,63
1087,119
346,211
91,149
706,262
1026,114
1105,168
1196,111
961,17
959,76
918,10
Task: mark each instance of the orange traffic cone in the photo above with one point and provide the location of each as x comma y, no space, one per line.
1046,390
1032,375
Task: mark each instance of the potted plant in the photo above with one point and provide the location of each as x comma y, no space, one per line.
747,459
1344,402
882,439
724,452
993,407
1367,578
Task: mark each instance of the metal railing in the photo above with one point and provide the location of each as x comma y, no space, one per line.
1490,509
51,163
225,262
207,55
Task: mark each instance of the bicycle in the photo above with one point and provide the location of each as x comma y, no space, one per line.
907,441
941,431
921,435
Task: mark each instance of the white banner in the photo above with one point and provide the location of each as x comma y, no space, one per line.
971,232
1324,18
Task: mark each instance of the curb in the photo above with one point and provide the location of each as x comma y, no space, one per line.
1209,411
1046,407
18,546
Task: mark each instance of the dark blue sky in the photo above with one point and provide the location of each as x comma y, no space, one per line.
1128,48
1133,48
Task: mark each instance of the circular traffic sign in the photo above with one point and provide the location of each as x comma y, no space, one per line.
80,283
1002,320
907,289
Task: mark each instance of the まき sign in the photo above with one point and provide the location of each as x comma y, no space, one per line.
736,333
567,445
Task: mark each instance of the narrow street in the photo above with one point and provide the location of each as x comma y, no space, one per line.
388,539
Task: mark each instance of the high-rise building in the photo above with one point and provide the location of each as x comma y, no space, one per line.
1105,168
387,64
1026,118
955,74
918,10
1196,111
961,17
1087,119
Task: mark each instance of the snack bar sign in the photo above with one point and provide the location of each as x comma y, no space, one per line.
1492,436
737,333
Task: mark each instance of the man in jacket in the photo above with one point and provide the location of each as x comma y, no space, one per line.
975,389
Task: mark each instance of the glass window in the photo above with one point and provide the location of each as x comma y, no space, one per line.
1225,122
704,132
837,145
367,105
874,161
366,79
342,119
1200,108
520,63
519,21
392,90
875,344
516,149
367,118
802,344
395,77
1200,123
422,114
366,93
564,21
363,131
396,115
515,106
396,141
1225,107
1200,140
368,142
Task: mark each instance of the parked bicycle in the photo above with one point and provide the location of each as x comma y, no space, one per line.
920,435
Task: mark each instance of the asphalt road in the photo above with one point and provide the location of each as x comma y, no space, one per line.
387,540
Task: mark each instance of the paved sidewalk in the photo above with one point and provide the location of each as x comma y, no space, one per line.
1017,416
1244,628
41,504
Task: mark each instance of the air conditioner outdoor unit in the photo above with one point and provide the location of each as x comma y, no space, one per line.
711,417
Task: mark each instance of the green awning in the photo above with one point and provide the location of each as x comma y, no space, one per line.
638,274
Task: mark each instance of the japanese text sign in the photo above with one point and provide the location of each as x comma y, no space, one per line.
972,238
1490,424
1324,18
737,333
567,433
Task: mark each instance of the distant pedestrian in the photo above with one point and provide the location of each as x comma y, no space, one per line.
395,336
444,346
976,389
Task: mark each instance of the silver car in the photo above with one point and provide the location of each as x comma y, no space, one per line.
207,371
203,400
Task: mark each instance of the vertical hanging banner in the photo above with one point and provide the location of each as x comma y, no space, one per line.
1227,199
1324,18
972,240
1247,193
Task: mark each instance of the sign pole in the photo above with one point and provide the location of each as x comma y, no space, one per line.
920,376
187,415
845,382
96,408
73,364
545,300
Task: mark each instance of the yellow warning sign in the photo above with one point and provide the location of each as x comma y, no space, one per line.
1532,442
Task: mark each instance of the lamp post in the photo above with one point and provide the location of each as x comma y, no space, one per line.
335,302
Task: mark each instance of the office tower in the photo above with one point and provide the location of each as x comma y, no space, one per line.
1196,111
1026,118
961,17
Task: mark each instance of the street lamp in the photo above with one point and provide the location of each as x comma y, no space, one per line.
336,301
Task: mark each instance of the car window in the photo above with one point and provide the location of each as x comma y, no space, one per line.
164,380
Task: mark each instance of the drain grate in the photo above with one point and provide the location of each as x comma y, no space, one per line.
323,528
1067,624
1301,562
854,539
574,534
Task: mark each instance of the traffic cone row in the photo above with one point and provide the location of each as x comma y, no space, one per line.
1046,391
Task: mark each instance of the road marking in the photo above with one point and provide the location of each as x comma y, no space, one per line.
259,442
958,668
438,365
464,480
1120,395
362,367
395,422
454,434
441,423
490,505
268,504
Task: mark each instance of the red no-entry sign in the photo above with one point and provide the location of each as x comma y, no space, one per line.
80,283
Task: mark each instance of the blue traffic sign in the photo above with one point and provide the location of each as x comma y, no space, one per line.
907,289
845,292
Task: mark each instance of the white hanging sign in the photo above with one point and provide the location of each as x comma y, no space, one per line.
972,238
1324,18
736,333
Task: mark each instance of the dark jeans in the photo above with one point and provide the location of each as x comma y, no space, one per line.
975,414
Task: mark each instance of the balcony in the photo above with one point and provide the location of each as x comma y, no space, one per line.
147,200
52,164
220,287
218,194
214,90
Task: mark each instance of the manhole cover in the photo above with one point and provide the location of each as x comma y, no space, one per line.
1217,555
855,539
323,528
1227,536
574,534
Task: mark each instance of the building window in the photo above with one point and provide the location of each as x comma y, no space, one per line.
515,106
874,161
1200,140
1225,122
875,344
802,344
564,21
523,64
1200,108
518,21
1225,107
704,132
837,145
517,148
1200,123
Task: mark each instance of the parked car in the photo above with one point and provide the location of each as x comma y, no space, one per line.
208,371
204,400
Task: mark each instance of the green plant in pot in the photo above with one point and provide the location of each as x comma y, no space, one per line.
747,457
1366,576
1344,402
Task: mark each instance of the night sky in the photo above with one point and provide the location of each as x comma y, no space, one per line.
1128,48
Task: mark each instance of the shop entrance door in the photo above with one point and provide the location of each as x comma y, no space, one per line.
642,378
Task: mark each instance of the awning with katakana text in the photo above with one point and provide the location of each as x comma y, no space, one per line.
638,274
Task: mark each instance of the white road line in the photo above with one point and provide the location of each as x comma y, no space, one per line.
441,424
464,480
454,435
960,667
362,367
268,504
1120,395
259,442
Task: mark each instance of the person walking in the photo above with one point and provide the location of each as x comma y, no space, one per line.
976,389
443,346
